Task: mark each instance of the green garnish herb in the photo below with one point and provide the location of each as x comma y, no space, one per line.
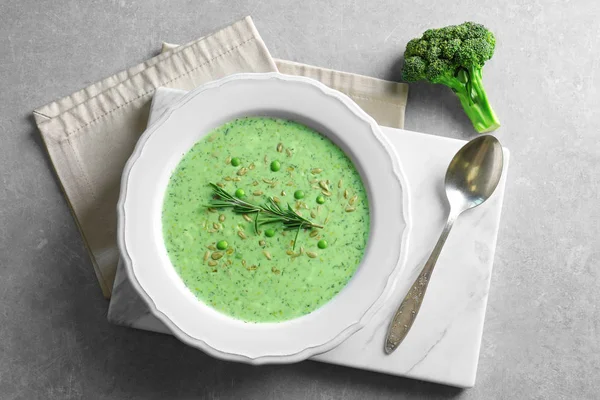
268,213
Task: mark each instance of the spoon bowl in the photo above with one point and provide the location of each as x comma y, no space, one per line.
474,173
471,178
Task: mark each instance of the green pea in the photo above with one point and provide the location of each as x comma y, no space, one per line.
270,232
240,193
322,244
320,199
222,245
298,194
275,166
235,161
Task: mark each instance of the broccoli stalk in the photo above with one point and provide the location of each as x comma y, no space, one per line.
454,56
474,100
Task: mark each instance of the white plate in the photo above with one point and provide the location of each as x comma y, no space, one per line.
160,149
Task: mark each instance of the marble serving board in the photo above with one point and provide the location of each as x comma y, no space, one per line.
444,343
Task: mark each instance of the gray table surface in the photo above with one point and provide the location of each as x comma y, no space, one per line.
542,331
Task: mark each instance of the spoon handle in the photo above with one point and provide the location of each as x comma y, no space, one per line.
407,312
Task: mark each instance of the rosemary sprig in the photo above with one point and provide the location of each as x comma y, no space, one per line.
268,213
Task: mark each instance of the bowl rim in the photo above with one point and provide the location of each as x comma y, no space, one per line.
309,351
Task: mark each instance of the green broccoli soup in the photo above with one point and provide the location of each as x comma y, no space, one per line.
265,220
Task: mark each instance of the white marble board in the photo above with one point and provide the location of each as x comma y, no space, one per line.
443,345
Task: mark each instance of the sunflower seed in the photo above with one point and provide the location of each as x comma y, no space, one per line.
261,243
212,210
221,218
227,178
352,199
350,209
276,200
257,192
251,166
290,169
313,214
244,263
288,152
326,193
242,171
275,270
247,217
324,185
316,171
340,183
280,147
206,255
216,255
230,250
227,160
268,255
219,184
252,268
236,179
242,234
211,247
266,159
345,193
212,263
290,253
311,254
313,233
283,192
216,226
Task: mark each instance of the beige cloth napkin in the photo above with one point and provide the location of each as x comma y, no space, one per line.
90,134
385,101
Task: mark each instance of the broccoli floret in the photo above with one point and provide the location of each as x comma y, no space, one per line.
454,56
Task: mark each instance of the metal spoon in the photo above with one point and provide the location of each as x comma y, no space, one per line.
471,178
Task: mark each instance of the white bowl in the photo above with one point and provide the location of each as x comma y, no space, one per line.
160,149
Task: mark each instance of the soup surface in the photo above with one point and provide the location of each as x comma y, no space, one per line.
265,274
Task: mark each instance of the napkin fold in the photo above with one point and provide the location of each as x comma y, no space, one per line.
91,133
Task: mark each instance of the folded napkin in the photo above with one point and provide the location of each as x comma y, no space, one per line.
90,134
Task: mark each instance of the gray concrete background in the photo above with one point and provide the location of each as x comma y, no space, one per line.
542,331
